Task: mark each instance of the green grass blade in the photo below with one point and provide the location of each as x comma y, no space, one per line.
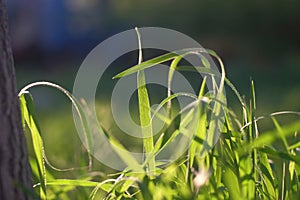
278,127
147,64
170,77
269,137
253,134
145,119
294,146
201,128
231,182
28,113
145,112
280,154
160,59
267,176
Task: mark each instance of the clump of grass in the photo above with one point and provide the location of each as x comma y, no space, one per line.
245,163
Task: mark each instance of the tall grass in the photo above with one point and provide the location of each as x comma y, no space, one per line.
244,163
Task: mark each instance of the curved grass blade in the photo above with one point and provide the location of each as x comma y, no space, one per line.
79,111
102,186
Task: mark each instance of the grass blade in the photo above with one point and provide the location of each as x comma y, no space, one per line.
231,182
145,112
160,59
28,113
269,137
76,106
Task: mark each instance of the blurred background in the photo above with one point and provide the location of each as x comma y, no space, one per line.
255,39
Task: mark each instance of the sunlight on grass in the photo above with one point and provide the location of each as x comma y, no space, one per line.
245,162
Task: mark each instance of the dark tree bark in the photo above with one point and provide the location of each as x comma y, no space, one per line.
15,173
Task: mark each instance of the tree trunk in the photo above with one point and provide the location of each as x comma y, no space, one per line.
15,173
